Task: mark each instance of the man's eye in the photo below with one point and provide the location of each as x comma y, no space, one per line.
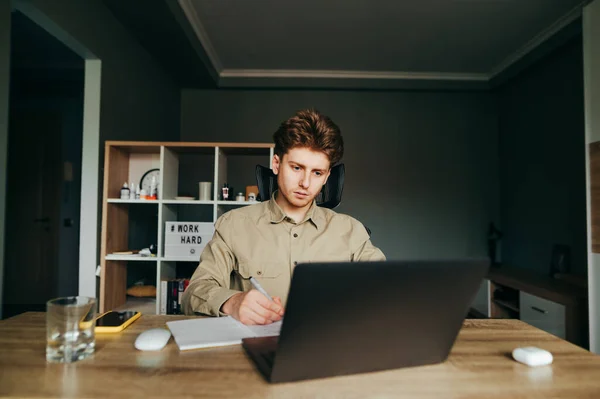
318,173
296,167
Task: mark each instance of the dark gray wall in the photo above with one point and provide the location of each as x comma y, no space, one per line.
542,162
421,167
139,101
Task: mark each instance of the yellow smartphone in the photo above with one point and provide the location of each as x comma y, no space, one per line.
113,321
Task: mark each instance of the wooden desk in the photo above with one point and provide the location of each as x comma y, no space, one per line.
479,366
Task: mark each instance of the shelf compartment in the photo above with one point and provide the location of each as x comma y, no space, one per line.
127,164
238,170
145,273
184,171
504,302
182,213
507,304
142,305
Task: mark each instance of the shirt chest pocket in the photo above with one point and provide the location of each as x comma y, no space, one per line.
270,275
259,269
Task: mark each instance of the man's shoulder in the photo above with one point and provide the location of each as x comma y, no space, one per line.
247,212
345,225
332,217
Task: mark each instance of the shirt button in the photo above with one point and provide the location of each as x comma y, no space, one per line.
295,235
259,272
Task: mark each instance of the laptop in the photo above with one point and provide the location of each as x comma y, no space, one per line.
356,317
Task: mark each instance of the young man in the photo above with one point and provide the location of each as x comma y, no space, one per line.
267,240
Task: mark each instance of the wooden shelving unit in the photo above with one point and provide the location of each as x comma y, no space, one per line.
182,165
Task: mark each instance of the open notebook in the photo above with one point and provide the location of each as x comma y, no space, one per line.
216,331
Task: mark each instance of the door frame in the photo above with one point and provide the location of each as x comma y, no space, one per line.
90,154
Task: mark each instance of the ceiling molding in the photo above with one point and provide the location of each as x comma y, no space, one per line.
190,12
540,38
329,74
249,77
368,79
336,83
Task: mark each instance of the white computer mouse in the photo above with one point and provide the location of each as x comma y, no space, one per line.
152,340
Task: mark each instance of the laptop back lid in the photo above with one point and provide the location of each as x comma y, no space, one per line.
346,318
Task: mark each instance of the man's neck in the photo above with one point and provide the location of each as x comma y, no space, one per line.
297,214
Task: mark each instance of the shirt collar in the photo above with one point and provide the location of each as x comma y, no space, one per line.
277,215
315,215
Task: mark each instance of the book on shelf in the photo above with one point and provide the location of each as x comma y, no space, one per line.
171,292
126,252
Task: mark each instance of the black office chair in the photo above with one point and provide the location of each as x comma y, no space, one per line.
329,197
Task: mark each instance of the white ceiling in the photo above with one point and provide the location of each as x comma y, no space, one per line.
372,40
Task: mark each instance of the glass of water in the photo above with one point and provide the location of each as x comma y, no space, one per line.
70,329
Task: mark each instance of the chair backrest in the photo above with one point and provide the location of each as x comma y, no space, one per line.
329,197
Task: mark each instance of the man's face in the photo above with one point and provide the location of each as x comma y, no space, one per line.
300,176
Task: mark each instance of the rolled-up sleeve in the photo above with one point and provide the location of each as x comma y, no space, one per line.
209,285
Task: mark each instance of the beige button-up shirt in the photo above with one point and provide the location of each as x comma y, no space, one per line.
260,241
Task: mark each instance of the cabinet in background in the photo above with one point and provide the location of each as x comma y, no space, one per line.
134,224
544,314
552,305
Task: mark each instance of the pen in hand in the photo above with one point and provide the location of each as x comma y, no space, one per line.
259,288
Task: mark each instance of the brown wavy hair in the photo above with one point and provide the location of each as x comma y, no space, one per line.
310,129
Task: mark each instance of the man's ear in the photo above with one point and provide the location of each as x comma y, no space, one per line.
276,164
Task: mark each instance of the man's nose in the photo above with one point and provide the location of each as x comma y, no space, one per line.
305,181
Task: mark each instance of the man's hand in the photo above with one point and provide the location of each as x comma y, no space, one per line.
252,307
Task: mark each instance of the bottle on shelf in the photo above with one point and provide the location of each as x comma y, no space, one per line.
125,191
132,191
225,192
152,194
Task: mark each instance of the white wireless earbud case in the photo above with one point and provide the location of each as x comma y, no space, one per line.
532,356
